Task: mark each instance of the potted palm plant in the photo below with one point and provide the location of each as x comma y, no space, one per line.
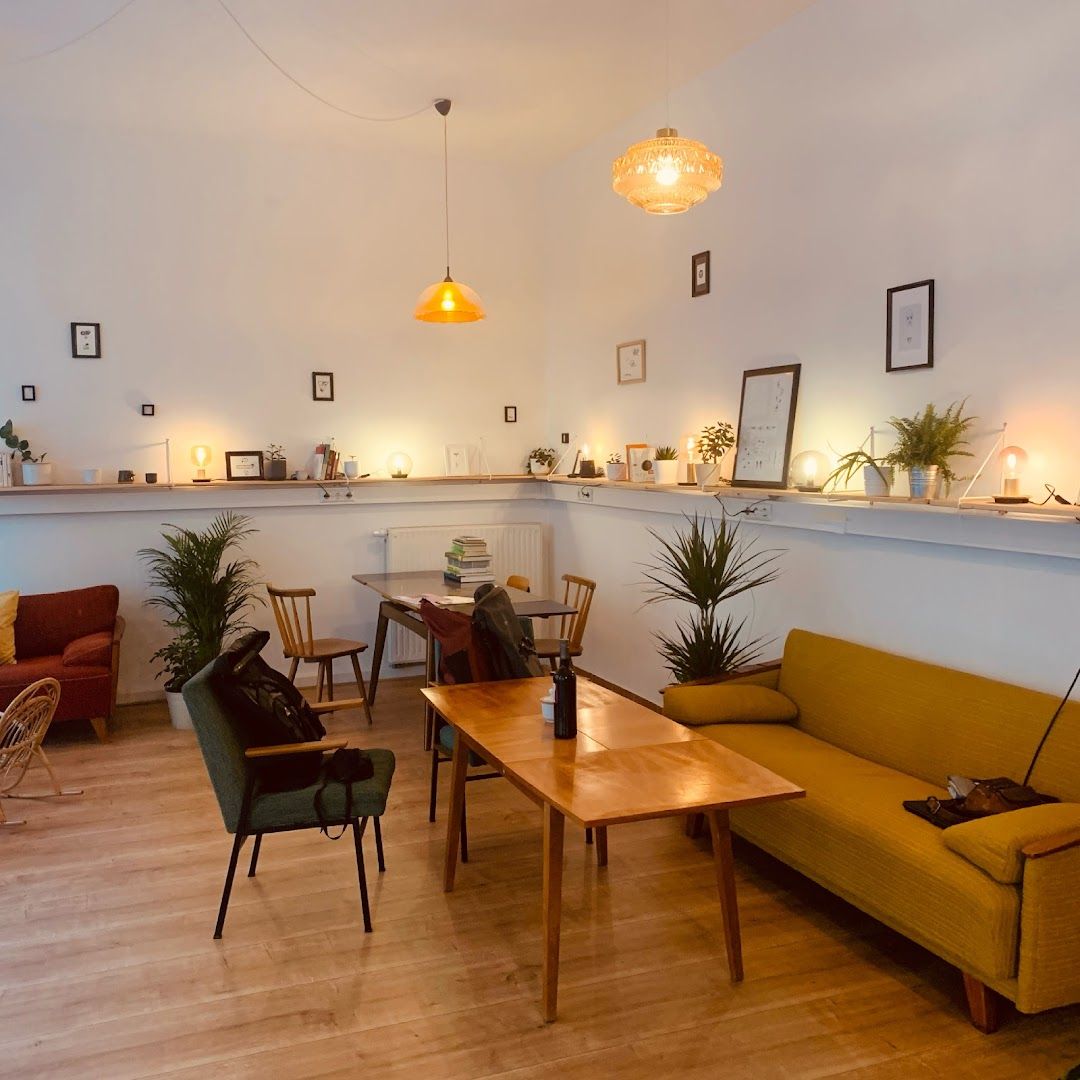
35,470
205,601
714,442
926,442
666,465
877,477
706,564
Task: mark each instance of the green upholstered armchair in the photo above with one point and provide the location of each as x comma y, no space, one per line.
249,809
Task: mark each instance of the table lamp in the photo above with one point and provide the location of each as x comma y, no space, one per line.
200,457
689,478
809,470
1012,461
587,466
399,464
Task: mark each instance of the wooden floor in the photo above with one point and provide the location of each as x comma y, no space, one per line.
108,968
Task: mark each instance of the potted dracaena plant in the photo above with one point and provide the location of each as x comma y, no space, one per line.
541,461
36,471
877,477
705,565
276,465
925,445
713,443
666,465
205,598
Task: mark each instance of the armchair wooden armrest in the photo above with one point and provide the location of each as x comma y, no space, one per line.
118,629
295,748
1048,845
320,707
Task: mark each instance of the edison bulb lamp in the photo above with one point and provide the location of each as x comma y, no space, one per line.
399,465
1012,461
200,458
809,470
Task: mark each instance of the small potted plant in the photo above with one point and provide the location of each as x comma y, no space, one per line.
877,477
713,443
926,442
666,464
276,467
35,470
615,467
541,461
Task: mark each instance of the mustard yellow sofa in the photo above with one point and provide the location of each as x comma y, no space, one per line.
999,897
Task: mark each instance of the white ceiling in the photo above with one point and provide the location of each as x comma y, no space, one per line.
531,81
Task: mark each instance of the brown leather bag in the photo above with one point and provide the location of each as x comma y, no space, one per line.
999,795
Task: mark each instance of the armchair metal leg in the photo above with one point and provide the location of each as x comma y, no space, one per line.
378,845
434,783
361,875
255,854
238,843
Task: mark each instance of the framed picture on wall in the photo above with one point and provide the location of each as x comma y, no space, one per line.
699,274
766,424
86,339
322,386
244,465
630,361
909,326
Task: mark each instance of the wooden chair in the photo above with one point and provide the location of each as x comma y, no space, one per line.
23,725
519,582
577,593
299,644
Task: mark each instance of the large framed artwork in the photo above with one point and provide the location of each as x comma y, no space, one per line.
909,326
766,423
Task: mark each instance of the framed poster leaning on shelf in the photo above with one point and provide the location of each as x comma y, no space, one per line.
766,423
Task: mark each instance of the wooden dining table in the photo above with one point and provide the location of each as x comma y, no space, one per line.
627,763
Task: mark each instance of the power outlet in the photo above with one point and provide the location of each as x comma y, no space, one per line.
584,494
759,511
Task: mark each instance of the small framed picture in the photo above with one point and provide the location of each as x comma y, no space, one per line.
29,393
699,274
510,414
630,361
458,459
244,465
148,410
639,463
86,339
909,326
322,386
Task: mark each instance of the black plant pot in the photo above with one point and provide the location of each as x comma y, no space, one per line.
275,470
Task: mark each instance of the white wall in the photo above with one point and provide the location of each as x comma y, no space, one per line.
866,145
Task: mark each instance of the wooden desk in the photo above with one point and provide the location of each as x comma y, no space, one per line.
627,763
417,582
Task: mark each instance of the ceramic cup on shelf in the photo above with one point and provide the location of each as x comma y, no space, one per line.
151,477
91,476
352,469
125,476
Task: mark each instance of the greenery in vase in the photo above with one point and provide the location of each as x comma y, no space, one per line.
614,459
704,565
19,448
931,438
853,463
715,441
204,601
544,454
275,452
666,453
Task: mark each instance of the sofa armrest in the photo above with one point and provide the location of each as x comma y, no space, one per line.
999,844
90,650
118,629
295,748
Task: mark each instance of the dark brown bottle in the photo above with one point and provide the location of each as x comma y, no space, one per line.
565,679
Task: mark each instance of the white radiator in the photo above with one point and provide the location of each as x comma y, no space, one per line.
515,549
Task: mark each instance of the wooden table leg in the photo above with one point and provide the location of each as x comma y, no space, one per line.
725,881
601,845
554,827
459,768
377,655
430,662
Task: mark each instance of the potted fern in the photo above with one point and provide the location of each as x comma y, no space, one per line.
205,602
877,477
926,442
666,464
704,565
713,443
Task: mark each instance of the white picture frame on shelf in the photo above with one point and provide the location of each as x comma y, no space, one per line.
459,459
639,463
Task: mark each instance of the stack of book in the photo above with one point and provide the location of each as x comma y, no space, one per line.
325,465
468,561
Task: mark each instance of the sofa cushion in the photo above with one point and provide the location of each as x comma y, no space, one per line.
9,607
852,835
995,844
924,720
728,703
93,650
48,621
85,692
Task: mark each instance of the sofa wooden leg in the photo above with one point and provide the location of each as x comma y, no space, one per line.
101,727
984,1005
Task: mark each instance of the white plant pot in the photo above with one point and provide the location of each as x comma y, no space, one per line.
615,472
178,711
708,474
873,484
352,469
667,472
36,474
538,468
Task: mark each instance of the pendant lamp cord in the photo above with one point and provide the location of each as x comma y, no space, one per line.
446,191
75,40
667,61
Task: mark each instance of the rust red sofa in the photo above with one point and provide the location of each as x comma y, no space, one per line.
75,638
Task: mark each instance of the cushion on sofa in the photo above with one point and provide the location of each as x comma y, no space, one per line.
728,703
925,720
9,607
852,835
93,650
995,844
48,621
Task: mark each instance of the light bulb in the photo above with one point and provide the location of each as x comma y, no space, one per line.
399,465
200,457
447,301
667,175
1010,465
585,450
810,470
